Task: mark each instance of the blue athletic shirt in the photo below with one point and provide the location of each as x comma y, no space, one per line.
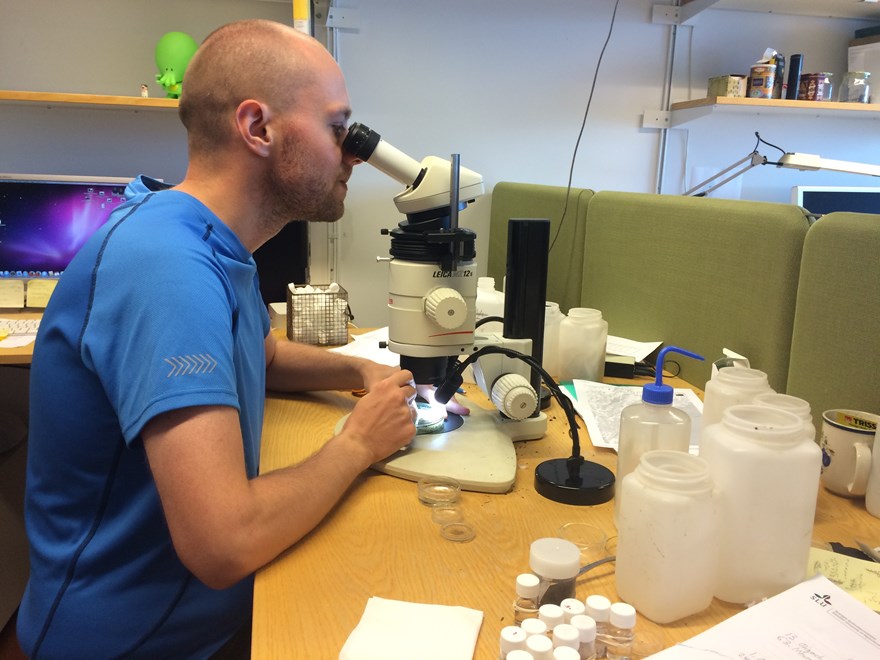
160,310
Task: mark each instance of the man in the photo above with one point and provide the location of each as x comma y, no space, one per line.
145,513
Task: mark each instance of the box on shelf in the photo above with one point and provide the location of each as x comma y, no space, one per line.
318,314
729,85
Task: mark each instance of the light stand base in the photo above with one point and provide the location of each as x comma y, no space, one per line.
583,484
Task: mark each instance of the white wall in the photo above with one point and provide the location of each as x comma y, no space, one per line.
502,82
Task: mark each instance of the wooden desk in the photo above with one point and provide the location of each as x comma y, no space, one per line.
380,541
22,354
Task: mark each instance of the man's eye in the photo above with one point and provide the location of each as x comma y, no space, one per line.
340,131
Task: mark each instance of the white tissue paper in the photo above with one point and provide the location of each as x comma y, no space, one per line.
397,630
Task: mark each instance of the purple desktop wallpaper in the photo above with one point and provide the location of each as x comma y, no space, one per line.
44,224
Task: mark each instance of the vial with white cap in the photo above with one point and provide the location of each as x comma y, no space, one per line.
599,609
653,423
566,634
586,628
540,646
526,604
511,638
552,615
534,627
556,562
621,632
572,607
565,653
520,654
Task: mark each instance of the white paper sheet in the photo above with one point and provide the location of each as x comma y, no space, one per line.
815,620
636,349
367,346
600,406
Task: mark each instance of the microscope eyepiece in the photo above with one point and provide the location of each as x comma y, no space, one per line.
361,141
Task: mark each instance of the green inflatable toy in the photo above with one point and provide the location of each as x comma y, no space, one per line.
173,53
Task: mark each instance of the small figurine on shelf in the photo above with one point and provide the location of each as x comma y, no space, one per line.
145,91
173,53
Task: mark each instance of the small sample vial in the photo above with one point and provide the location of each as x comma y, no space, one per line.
552,615
566,634
540,646
534,627
511,639
621,633
565,653
586,628
599,609
572,607
519,654
526,604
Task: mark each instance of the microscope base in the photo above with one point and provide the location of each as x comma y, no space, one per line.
480,454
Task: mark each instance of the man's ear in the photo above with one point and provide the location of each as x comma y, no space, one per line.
251,121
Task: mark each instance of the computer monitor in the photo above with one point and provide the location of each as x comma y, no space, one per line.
820,200
45,219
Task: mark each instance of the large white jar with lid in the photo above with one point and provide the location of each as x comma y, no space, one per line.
731,386
767,475
667,546
489,302
553,317
583,336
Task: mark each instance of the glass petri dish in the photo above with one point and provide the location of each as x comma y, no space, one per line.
435,491
457,531
443,514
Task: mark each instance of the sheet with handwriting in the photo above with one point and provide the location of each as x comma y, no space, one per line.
815,619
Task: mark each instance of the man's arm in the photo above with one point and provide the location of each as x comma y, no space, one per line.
294,367
224,526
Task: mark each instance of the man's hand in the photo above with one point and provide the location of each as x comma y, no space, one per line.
382,421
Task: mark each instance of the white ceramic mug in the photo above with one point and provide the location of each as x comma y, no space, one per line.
847,437
872,494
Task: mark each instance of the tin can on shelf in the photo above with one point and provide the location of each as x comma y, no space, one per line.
761,80
815,87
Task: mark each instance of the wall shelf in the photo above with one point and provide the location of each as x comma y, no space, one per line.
822,8
687,111
56,99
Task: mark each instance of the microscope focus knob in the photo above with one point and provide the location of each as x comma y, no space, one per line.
446,307
514,396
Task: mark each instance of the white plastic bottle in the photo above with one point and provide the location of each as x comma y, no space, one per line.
667,537
652,424
798,406
583,336
489,303
731,386
767,476
510,639
553,318
556,562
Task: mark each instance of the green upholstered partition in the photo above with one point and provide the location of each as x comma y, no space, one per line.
527,200
701,273
836,339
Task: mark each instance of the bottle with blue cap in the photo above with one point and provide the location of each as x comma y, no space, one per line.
651,424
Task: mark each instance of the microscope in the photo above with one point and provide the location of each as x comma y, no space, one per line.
432,325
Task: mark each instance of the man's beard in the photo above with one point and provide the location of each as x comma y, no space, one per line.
295,193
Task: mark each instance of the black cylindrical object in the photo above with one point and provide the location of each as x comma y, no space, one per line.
525,289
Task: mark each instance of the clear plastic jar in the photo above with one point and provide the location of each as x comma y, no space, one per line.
855,88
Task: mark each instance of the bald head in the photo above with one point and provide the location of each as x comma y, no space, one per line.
251,59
